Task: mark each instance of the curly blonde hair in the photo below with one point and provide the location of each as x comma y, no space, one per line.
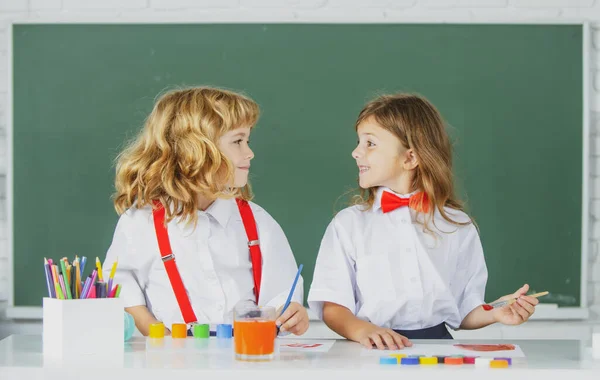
175,156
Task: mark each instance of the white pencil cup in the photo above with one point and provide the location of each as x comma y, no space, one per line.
77,329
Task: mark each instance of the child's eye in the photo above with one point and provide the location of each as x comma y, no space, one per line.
370,144
238,141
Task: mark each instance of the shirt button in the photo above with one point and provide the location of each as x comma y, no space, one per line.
403,221
408,249
220,307
413,279
212,277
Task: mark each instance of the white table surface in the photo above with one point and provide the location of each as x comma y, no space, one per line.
21,357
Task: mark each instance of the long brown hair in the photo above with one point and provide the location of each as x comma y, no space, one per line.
419,126
175,157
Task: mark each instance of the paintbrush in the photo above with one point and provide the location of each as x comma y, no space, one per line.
497,304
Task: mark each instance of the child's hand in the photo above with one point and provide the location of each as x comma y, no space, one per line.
382,338
518,311
294,319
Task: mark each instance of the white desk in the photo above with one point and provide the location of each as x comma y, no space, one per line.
551,330
21,358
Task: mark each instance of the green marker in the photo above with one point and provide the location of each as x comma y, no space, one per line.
65,279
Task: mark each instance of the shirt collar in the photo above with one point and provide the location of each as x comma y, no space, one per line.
221,209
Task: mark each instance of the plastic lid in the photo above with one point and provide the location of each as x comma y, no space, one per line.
453,360
388,360
428,360
410,361
201,331
499,364
178,330
157,330
469,359
509,360
224,331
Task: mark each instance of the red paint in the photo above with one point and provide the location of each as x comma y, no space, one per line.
487,307
486,347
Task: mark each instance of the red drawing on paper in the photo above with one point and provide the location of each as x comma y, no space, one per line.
486,347
302,345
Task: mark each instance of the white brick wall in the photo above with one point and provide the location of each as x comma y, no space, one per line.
314,10
92,5
13,5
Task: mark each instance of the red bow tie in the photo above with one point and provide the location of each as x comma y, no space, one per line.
417,201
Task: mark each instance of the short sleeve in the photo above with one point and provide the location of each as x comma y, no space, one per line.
334,278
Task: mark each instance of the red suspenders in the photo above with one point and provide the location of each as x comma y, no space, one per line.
169,259
252,234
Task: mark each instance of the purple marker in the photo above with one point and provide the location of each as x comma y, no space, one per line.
86,287
94,274
109,288
49,281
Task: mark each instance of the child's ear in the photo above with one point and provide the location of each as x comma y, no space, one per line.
410,160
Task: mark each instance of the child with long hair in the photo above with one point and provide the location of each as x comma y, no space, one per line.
405,260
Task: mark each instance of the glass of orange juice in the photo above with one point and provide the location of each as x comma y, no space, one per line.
254,332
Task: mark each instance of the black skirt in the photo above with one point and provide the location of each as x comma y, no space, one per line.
435,332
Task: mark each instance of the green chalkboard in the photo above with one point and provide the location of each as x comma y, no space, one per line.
512,95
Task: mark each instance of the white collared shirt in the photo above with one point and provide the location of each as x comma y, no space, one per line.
388,271
213,260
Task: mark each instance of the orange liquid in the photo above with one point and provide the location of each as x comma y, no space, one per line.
254,337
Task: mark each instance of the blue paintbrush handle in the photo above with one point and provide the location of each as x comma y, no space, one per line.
289,298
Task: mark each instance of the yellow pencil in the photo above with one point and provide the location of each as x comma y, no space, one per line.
111,277
68,274
77,278
59,293
99,267
113,270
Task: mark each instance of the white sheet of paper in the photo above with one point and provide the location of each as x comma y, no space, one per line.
445,350
305,345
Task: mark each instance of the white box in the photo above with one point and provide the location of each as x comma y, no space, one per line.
83,330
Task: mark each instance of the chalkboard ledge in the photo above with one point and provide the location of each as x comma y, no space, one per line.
543,312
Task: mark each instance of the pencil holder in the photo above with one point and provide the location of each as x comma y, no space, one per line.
83,327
